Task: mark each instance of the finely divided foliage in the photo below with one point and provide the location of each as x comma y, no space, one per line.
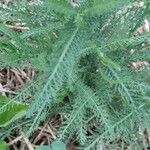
83,51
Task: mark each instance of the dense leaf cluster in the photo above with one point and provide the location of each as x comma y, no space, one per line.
83,53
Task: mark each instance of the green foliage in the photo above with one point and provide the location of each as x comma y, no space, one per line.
10,111
43,148
56,145
3,145
83,54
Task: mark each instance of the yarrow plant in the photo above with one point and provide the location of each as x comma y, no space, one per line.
83,52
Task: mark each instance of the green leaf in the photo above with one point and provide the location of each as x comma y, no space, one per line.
58,145
40,62
102,7
43,148
10,110
60,7
3,145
